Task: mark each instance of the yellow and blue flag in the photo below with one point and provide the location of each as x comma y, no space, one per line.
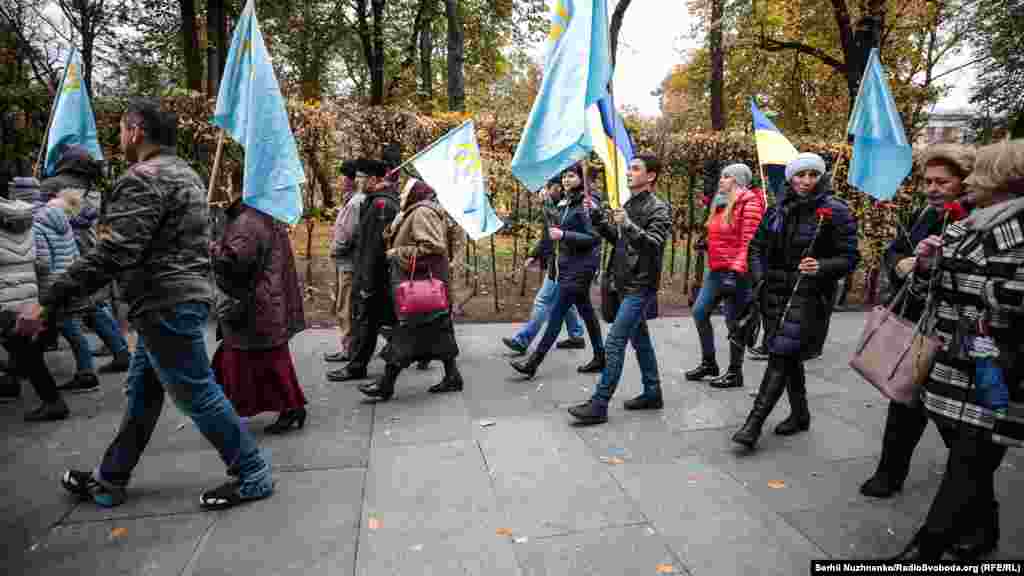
774,151
882,157
453,168
73,121
615,148
577,70
251,109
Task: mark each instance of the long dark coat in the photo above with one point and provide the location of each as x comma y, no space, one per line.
782,239
261,307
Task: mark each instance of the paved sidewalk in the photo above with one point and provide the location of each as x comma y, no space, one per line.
492,481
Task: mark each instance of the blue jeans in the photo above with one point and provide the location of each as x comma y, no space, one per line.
542,304
630,324
711,294
566,301
108,329
171,356
71,328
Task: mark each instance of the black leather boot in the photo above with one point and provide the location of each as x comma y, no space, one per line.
981,541
924,546
733,378
595,365
799,419
772,386
529,366
382,388
707,367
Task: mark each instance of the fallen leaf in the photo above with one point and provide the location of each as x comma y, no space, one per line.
118,532
611,460
665,569
373,523
503,531
776,484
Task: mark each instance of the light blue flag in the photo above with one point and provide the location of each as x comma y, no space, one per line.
73,121
252,111
453,168
577,70
882,157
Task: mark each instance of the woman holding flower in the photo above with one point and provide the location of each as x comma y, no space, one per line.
803,246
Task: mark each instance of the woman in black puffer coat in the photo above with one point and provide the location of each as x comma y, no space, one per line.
803,247
578,249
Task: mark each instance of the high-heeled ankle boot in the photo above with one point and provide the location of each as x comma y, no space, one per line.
529,366
452,381
286,420
383,387
772,385
799,419
595,365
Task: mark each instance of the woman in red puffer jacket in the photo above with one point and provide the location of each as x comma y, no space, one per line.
736,212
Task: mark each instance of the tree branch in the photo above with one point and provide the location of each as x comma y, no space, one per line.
772,45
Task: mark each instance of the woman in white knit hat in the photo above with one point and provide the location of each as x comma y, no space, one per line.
736,213
804,245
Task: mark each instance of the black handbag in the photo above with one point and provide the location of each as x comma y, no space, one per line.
610,298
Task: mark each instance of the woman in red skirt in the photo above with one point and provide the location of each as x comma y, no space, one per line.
259,311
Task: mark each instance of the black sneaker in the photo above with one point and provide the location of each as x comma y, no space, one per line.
10,389
49,412
83,485
571,343
642,402
82,382
589,413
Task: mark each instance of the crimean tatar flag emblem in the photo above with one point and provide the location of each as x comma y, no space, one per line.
559,21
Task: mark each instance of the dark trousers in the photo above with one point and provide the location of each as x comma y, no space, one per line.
369,321
904,426
968,484
31,364
567,298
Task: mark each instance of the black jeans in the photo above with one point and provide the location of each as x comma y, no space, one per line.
567,298
968,484
31,364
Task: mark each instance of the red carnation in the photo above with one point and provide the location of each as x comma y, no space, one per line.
380,204
954,211
824,213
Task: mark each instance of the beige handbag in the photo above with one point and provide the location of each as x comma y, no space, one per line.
894,354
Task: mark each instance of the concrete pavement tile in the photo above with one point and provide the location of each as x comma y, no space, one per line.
157,546
697,410
419,417
609,551
712,522
310,526
646,440
829,438
336,435
168,483
806,483
430,509
547,480
855,530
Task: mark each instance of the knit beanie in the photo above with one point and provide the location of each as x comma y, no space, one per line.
804,161
740,173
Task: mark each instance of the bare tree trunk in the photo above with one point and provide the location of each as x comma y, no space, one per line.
217,43
426,55
377,65
456,57
717,66
190,42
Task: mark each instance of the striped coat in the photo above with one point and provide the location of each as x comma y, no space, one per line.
981,271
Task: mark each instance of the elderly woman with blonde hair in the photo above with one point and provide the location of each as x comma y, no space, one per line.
974,391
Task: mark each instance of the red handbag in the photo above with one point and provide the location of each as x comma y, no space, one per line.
417,297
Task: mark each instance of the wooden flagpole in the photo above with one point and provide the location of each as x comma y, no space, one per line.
216,166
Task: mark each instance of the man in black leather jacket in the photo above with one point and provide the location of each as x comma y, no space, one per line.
638,231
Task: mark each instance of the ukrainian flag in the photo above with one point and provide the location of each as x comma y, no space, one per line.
774,151
577,70
615,148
